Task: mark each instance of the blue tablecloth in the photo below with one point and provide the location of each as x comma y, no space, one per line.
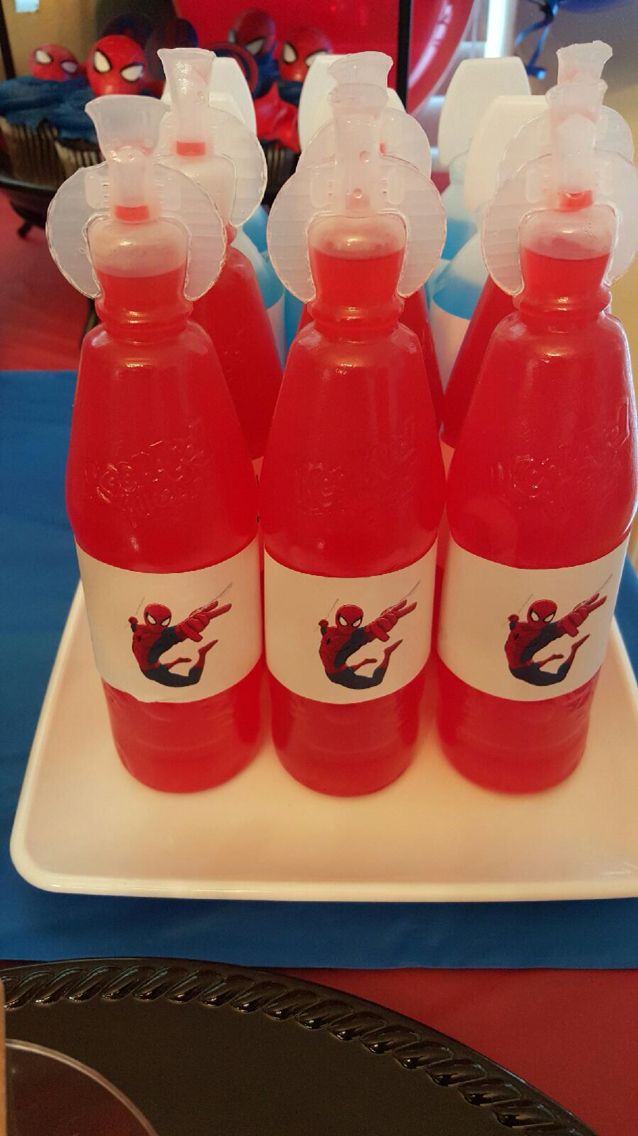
39,578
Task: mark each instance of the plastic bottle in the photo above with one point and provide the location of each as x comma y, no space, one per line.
401,137
352,485
502,120
160,491
222,156
474,85
512,132
229,91
542,486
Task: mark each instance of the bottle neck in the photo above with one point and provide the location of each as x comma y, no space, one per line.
143,308
356,264
563,264
141,270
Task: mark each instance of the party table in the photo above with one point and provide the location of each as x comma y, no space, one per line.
555,1028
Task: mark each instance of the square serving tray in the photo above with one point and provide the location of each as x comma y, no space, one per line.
84,825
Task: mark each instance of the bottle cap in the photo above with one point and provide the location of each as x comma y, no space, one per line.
229,91
131,186
358,179
401,134
314,108
501,122
475,83
580,67
213,146
569,179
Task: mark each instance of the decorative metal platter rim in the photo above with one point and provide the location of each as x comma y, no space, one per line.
383,1033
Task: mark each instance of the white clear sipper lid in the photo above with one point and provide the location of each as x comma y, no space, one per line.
503,119
580,67
133,188
560,187
228,91
212,146
401,134
315,110
475,83
356,180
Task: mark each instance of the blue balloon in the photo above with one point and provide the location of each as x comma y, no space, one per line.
589,5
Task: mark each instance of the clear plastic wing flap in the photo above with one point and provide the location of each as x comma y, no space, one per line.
532,189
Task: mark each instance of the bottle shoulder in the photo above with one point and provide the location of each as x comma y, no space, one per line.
322,340
190,338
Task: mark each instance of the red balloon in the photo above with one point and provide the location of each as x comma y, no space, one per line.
356,25
54,62
116,65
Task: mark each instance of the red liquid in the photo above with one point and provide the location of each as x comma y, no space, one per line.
414,316
234,316
493,306
544,476
158,480
352,485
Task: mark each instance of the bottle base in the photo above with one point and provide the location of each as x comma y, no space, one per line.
179,774
511,746
502,774
346,751
344,780
187,747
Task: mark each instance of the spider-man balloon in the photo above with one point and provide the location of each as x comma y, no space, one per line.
53,62
116,66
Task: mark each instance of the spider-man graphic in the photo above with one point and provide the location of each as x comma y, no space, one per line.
340,641
526,637
54,62
116,65
156,635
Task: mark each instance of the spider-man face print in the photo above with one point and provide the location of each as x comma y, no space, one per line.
53,62
116,66
157,615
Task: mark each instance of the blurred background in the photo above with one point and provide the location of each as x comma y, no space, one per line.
56,49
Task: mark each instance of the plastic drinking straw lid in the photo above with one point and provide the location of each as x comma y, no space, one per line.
401,135
579,64
229,91
475,83
501,122
359,180
574,175
133,187
230,163
315,110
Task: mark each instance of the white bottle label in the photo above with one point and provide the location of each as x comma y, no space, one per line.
348,640
527,634
174,636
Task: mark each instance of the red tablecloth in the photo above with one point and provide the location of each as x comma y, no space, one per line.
573,1034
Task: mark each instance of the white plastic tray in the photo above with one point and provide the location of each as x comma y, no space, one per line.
84,825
